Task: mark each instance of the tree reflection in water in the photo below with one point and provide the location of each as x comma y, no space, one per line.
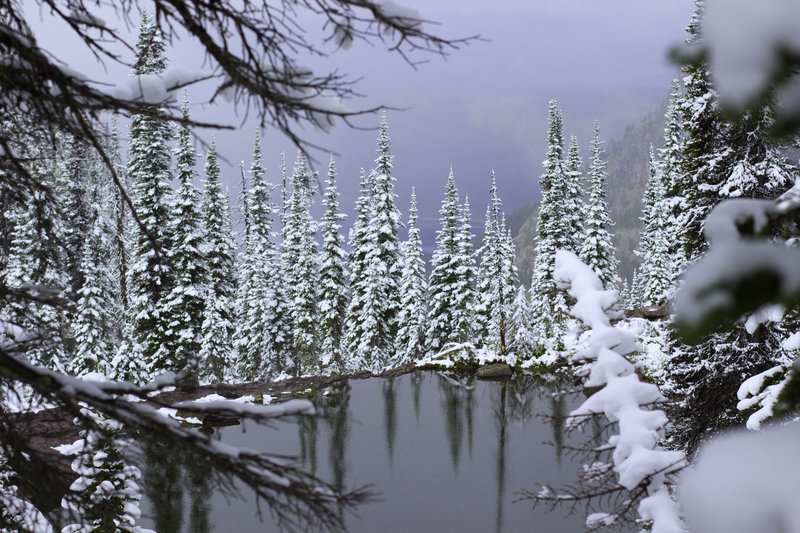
404,440
389,416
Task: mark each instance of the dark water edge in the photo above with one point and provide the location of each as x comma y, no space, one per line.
442,455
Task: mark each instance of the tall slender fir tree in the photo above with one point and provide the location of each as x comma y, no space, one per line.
150,276
332,278
598,249
218,320
301,270
184,307
413,292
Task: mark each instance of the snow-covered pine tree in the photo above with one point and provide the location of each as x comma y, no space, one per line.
73,185
301,269
543,288
106,492
635,291
361,246
332,278
443,286
572,209
36,257
413,293
521,340
497,276
722,157
263,332
658,284
94,325
465,295
218,320
624,300
118,215
184,307
655,272
654,185
509,275
150,276
384,225
598,248
670,168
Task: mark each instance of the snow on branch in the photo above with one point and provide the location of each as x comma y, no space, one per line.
741,271
641,465
295,497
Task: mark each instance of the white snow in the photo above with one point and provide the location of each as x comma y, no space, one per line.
291,407
636,456
721,223
707,284
766,313
404,16
745,483
753,393
84,17
598,520
156,88
792,342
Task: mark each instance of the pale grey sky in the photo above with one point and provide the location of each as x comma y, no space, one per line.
484,107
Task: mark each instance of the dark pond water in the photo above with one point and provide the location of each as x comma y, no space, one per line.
442,455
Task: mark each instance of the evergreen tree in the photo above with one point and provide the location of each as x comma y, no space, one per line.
465,295
721,158
372,322
361,245
333,276
570,224
521,339
118,216
543,287
72,187
36,259
94,323
443,287
385,258
671,172
184,307
413,292
218,320
106,485
598,249
655,273
636,290
150,276
496,277
302,273
263,338
624,299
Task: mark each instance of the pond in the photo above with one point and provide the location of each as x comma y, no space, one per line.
442,455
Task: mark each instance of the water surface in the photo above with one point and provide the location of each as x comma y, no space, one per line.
442,455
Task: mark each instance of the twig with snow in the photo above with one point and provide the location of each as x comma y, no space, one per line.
642,467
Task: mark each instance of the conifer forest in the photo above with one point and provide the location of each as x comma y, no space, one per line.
193,343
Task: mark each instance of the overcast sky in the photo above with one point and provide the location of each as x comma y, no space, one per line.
484,107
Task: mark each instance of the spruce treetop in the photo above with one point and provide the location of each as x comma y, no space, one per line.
150,48
384,160
186,157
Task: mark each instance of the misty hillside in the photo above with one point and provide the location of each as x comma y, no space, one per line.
627,175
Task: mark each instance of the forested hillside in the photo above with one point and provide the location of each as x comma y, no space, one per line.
627,177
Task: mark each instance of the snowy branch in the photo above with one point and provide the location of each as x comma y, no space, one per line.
643,469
